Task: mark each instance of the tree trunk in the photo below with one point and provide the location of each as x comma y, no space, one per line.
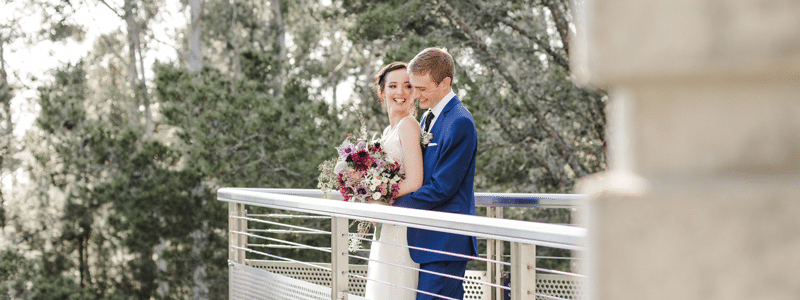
5,97
199,236
236,59
195,52
280,46
148,117
132,73
83,258
161,264
200,290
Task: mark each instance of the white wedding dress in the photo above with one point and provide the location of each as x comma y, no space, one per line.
388,253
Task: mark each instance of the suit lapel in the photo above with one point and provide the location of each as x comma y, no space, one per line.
431,153
441,119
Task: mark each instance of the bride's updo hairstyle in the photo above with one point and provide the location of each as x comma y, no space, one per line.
380,78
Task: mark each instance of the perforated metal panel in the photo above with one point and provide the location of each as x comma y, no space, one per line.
285,280
251,283
313,275
560,286
472,291
476,291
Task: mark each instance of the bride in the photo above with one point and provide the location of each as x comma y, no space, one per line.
401,140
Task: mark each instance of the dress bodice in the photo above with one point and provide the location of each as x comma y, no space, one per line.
390,142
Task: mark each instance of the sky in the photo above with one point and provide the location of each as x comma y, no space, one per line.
35,61
25,62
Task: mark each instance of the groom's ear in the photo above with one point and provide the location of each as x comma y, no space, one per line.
447,81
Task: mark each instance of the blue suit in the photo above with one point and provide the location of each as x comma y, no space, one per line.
448,186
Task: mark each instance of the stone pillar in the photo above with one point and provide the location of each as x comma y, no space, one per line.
702,197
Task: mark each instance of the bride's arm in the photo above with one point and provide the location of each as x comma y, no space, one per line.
412,156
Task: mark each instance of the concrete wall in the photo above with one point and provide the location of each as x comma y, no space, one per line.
702,199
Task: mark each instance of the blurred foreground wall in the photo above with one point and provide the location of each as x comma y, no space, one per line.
702,197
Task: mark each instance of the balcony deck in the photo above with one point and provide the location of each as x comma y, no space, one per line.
259,271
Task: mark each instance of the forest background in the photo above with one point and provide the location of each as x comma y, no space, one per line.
110,192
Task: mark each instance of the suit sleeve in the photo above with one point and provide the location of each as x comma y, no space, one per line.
451,169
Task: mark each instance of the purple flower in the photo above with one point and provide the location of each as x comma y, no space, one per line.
361,189
345,151
379,164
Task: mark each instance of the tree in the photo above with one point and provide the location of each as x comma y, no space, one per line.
539,130
122,211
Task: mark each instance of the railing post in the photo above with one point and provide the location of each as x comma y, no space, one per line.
339,264
495,251
242,238
233,225
236,224
523,271
490,266
233,240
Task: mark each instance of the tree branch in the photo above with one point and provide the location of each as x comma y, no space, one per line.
337,68
557,58
561,146
112,9
562,26
114,51
182,55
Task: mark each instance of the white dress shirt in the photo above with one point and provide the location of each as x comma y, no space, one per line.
437,110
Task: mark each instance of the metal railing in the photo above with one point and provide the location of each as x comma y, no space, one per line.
522,237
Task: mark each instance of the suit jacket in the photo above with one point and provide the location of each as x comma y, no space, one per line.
448,184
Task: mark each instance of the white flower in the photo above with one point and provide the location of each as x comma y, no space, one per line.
353,244
376,195
340,166
376,182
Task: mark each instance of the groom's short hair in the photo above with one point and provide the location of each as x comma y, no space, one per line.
434,61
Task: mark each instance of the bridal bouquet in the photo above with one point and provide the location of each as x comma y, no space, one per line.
362,172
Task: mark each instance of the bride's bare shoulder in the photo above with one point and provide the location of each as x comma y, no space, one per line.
409,125
409,121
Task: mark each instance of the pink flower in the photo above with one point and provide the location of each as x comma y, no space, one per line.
382,189
345,193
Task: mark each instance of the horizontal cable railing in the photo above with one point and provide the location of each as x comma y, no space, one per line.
522,236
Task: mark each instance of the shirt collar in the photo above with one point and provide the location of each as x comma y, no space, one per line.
437,110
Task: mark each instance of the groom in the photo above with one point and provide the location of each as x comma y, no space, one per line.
449,172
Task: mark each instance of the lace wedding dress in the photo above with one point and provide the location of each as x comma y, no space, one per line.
386,251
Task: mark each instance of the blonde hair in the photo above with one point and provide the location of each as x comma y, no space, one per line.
434,61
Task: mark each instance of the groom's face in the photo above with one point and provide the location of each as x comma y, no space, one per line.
427,91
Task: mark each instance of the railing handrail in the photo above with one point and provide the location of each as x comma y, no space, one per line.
481,199
529,200
549,235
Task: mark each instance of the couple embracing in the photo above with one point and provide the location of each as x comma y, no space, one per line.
439,176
